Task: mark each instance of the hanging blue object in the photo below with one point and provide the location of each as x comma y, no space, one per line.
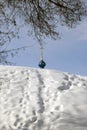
42,64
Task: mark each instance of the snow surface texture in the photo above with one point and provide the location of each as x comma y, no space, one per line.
35,99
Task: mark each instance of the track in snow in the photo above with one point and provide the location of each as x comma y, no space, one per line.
35,99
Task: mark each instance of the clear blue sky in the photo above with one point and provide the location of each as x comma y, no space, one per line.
68,54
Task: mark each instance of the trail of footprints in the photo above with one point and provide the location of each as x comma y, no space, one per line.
18,99
70,81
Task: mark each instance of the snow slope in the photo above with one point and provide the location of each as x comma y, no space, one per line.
35,99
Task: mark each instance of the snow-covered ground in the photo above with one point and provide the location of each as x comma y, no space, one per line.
35,99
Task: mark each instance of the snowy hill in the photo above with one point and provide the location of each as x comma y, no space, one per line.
35,99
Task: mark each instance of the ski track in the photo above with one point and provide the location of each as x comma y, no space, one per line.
35,99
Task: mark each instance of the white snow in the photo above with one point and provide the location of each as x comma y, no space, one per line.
37,99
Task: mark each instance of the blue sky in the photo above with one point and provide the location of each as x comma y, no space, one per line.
69,54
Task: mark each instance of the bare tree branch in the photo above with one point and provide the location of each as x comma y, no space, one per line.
42,16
